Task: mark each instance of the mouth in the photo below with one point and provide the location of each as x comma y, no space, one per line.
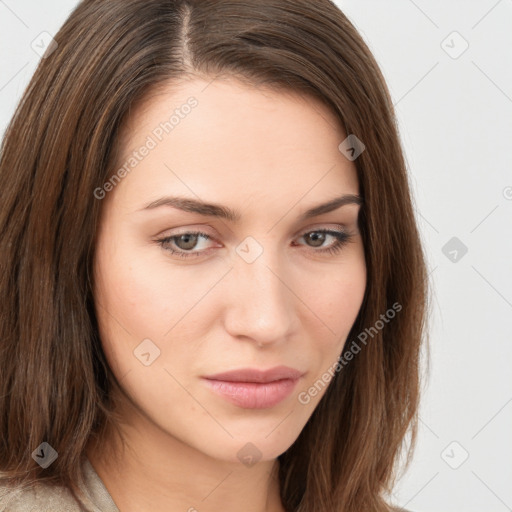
253,388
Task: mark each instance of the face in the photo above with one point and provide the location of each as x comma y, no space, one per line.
183,293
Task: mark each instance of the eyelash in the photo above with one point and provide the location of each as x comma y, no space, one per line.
342,239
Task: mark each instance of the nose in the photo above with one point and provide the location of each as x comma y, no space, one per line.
259,301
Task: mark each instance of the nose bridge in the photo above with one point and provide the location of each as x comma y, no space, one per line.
260,303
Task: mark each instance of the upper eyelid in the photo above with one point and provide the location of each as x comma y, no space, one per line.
345,228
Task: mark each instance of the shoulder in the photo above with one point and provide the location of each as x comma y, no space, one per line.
43,497
37,498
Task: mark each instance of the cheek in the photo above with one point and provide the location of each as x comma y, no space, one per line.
345,299
137,293
336,303
128,303
337,297
143,297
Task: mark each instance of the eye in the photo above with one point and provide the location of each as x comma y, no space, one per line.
318,237
186,242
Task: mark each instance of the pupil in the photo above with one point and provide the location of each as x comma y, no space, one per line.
190,241
317,238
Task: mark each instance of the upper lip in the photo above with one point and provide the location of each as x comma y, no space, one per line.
256,375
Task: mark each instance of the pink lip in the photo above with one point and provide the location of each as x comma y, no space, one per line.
255,389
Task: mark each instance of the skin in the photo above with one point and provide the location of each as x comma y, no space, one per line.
270,156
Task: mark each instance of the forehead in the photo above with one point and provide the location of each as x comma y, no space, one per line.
225,141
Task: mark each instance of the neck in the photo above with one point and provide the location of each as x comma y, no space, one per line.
155,471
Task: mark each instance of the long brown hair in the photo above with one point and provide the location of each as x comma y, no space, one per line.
63,143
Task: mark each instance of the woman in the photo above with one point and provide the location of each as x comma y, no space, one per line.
213,288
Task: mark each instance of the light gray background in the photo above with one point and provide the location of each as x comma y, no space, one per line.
455,115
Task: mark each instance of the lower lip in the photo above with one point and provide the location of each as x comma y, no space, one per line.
253,395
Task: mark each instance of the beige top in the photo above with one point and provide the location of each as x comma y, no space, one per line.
43,498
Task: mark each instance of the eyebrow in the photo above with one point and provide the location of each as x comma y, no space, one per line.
224,212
